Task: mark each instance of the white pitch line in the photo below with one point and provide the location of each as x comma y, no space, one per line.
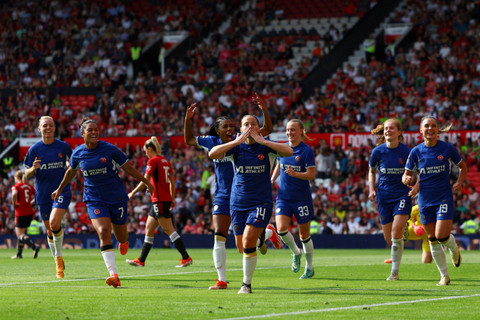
126,276
271,315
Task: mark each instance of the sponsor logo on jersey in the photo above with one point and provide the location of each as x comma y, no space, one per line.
103,160
440,158
261,157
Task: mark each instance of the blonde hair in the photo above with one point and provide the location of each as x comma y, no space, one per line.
154,144
379,130
302,126
445,128
42,118
20,175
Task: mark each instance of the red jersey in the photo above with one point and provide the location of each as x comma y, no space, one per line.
159,168
25,195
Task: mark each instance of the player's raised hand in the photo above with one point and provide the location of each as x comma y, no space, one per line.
258,101
191,110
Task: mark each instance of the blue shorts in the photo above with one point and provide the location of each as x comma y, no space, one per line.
221,207
444,211
257,217
116,212
388,210
62,202
301,209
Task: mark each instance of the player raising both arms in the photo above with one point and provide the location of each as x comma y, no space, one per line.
222,131
251,197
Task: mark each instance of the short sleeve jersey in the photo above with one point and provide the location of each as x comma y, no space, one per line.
25,194
100,170
223,168
390,162
291,188
433,167
53,160
159,168
251,183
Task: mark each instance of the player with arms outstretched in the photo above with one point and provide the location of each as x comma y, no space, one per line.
104,191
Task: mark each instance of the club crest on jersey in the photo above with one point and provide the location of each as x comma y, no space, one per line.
261,157
96,211
60,155
103,160
297,158
400,161
440,158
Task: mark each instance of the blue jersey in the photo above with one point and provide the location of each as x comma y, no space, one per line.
291,188
390,162
433,167
100,171
54,158
223,168
251,183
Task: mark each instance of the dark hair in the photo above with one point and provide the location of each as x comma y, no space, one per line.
216,125
84,123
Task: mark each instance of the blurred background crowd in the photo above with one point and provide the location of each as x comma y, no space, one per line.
236,48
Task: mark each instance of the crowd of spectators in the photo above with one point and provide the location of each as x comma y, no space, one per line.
83,40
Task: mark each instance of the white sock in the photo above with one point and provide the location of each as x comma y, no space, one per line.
220,257
109,258
308,250
51,245
249,265
451,244
438,255
397,252
268,233
290,242
148,240
58,241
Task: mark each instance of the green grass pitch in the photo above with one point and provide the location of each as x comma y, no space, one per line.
348,284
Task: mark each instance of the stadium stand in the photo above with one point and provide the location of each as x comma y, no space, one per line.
73,59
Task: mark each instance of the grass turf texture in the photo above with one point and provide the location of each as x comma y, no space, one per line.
347,284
